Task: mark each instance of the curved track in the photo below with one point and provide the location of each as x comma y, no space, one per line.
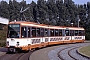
70,53
63,54
74,54
17,56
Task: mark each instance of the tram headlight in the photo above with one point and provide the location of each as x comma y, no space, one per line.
17,44
7,43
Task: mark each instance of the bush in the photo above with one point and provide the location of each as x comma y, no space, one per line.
87,36
87,33
3,34
2,43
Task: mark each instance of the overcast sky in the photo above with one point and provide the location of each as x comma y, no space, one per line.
76,1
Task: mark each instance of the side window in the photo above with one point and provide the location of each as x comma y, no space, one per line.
29,32
76,32
56,32
51,32
33,32
23,32
46,32
72,33
42,32
38,32
81,33
60,32
67,32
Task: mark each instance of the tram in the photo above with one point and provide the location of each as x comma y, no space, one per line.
24,35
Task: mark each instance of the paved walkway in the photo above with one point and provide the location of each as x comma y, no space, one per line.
2,53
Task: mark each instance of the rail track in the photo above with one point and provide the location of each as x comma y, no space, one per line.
17,56
70,53
73,53
64,54
63,51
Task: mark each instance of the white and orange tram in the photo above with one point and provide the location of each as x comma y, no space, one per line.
29,35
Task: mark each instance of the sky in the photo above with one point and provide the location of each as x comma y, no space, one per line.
76,1
81,1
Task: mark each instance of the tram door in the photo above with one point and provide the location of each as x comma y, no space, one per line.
24,32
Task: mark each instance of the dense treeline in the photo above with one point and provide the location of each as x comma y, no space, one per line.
52,12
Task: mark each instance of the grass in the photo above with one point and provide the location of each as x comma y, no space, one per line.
85,50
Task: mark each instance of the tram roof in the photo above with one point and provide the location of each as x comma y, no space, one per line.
25,23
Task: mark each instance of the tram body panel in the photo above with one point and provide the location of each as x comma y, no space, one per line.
20,42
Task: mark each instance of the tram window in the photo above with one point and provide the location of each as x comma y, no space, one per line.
15,27
52,32
46,32
33,32
13,34
28,31
23,32
76,32
71,32
42,32
38,32
80,33
83,33
56,32
67,32
60,32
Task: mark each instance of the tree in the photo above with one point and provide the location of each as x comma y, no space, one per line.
4,9
11,11
52,12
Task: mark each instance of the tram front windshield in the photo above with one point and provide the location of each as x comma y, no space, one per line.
13,31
